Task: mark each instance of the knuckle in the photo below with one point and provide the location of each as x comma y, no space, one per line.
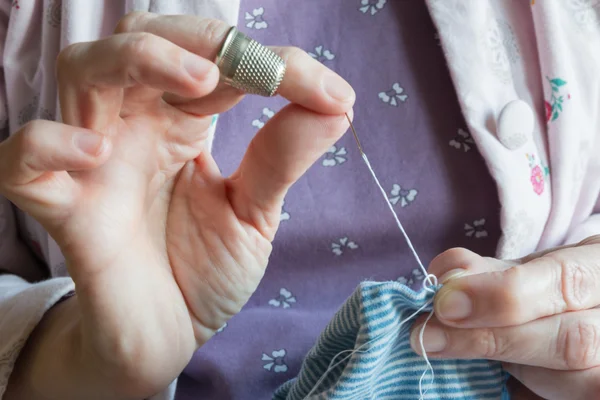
212,30
27,136
509,295
137,44
65,59
577,283
27,142
136,49
130,22
489,344
292,54
579,344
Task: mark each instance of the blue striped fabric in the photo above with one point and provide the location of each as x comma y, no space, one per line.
385,367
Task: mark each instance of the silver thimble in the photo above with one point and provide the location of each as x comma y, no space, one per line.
249,66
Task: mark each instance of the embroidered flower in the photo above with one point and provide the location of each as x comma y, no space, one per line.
548,108
322,55
338,247
15,4
221,329
462,139
501,40
476,229
285,299
276,361
537,180
539,172
53,13
554,106
586,13
517,237
371,6
394,95
267,114
402,196
255,20
501,47
284,216
334,156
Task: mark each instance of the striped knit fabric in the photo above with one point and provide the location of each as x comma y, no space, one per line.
384,365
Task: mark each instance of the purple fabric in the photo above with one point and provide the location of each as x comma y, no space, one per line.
412,141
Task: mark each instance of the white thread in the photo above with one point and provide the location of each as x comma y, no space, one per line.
429,277
429,282
393,331
429,367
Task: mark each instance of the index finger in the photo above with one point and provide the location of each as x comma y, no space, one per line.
307,82
558,282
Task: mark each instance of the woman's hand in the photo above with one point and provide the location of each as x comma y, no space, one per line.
538,315
163,249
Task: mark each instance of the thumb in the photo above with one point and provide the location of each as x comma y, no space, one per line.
276,158
35,160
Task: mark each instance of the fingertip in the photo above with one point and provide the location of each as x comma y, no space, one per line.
105,150
458,262
350,113
309,83
430,339
94,149
453,304
336,125
452,274
340,93
204,74
451,259
90,143
414,338
415,332
210,81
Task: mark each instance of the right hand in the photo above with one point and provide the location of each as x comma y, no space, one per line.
162,249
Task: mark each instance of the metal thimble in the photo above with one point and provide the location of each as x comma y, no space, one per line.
249,66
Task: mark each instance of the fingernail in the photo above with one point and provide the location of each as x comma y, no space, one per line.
453,273
454,305
338,88
197,67
90,143
434,339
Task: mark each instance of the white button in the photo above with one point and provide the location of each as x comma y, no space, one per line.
515,124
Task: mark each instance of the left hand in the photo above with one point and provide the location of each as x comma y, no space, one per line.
540,316
162,248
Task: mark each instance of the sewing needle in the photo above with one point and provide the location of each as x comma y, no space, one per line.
355,135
